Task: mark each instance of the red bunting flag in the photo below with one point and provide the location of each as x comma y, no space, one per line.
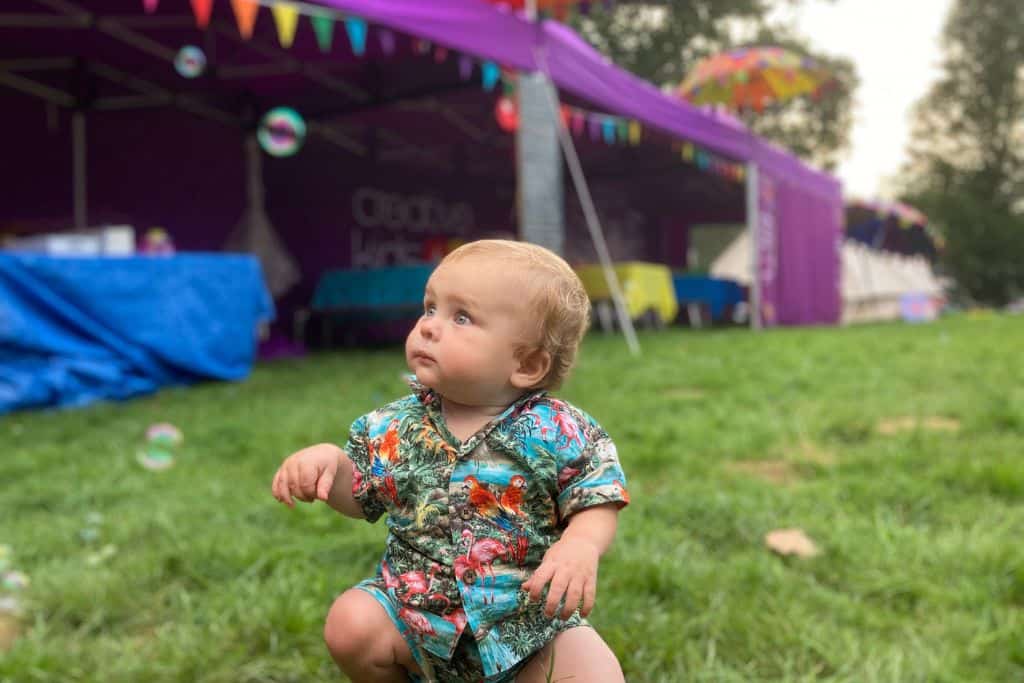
202,10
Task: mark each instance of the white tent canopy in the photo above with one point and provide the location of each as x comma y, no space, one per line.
873,283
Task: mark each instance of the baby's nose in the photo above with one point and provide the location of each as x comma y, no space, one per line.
429,328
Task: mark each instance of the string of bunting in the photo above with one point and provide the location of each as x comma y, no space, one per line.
602,127
323,20
612,130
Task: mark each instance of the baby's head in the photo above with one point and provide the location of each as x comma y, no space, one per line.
500,317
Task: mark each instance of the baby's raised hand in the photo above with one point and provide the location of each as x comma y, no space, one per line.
571,567
307,474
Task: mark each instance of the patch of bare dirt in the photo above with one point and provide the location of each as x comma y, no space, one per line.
683,393
934,423
10,629
808,451
778,472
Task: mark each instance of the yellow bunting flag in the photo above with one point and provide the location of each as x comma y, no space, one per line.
286,17
245,16
635,131
202,9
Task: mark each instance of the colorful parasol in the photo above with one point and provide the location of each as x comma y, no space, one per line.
754,78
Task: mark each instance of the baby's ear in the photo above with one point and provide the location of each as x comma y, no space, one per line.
533,368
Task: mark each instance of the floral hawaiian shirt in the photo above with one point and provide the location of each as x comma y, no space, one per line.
469,522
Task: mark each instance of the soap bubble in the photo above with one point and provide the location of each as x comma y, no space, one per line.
190,62
282,132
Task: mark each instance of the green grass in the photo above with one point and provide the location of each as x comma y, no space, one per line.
921,576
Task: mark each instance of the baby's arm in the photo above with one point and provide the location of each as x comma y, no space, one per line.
570,564
322,472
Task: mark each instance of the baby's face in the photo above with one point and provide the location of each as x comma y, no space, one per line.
475,317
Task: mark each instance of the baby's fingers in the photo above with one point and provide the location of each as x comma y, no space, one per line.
280,488
573,595
558,586
539,579
589,596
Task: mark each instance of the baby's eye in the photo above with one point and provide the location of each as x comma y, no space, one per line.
462,319
429,310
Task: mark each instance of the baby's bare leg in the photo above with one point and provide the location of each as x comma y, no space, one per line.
364,642
580,655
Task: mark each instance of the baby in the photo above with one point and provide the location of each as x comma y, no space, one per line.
500,498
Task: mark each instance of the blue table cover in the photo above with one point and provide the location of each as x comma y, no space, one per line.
77,330
716,294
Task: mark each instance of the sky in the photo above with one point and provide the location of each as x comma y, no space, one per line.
895,46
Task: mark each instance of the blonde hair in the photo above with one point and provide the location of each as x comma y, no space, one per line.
555,293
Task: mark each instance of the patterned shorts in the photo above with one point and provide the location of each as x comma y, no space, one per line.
465,666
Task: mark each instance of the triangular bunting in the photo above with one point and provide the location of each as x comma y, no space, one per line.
202,9
245,16
387,41
357,30
465,67
323,27
635,132
286,18
490,72
440,54
150,5
608,128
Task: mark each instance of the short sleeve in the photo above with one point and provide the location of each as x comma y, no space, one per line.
365,489
590,475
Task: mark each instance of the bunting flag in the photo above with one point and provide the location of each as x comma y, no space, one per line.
422,46
150,5
440,54
202,10
635,132
245,16
608,130
465,67
579,122
357,31
595,128
323,27
286,18
387,41
490,73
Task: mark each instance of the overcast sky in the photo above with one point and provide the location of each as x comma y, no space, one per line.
895,45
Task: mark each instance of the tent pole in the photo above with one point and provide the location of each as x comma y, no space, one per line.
572,159
753,218
79,179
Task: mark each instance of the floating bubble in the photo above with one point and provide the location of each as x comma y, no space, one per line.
155,458
164,433
190,62
14,581
282,132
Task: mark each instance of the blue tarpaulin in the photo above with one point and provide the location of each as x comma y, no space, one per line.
77,330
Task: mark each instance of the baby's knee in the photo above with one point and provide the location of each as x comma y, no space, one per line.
349,628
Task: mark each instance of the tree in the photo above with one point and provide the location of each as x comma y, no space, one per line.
662,41
966,167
